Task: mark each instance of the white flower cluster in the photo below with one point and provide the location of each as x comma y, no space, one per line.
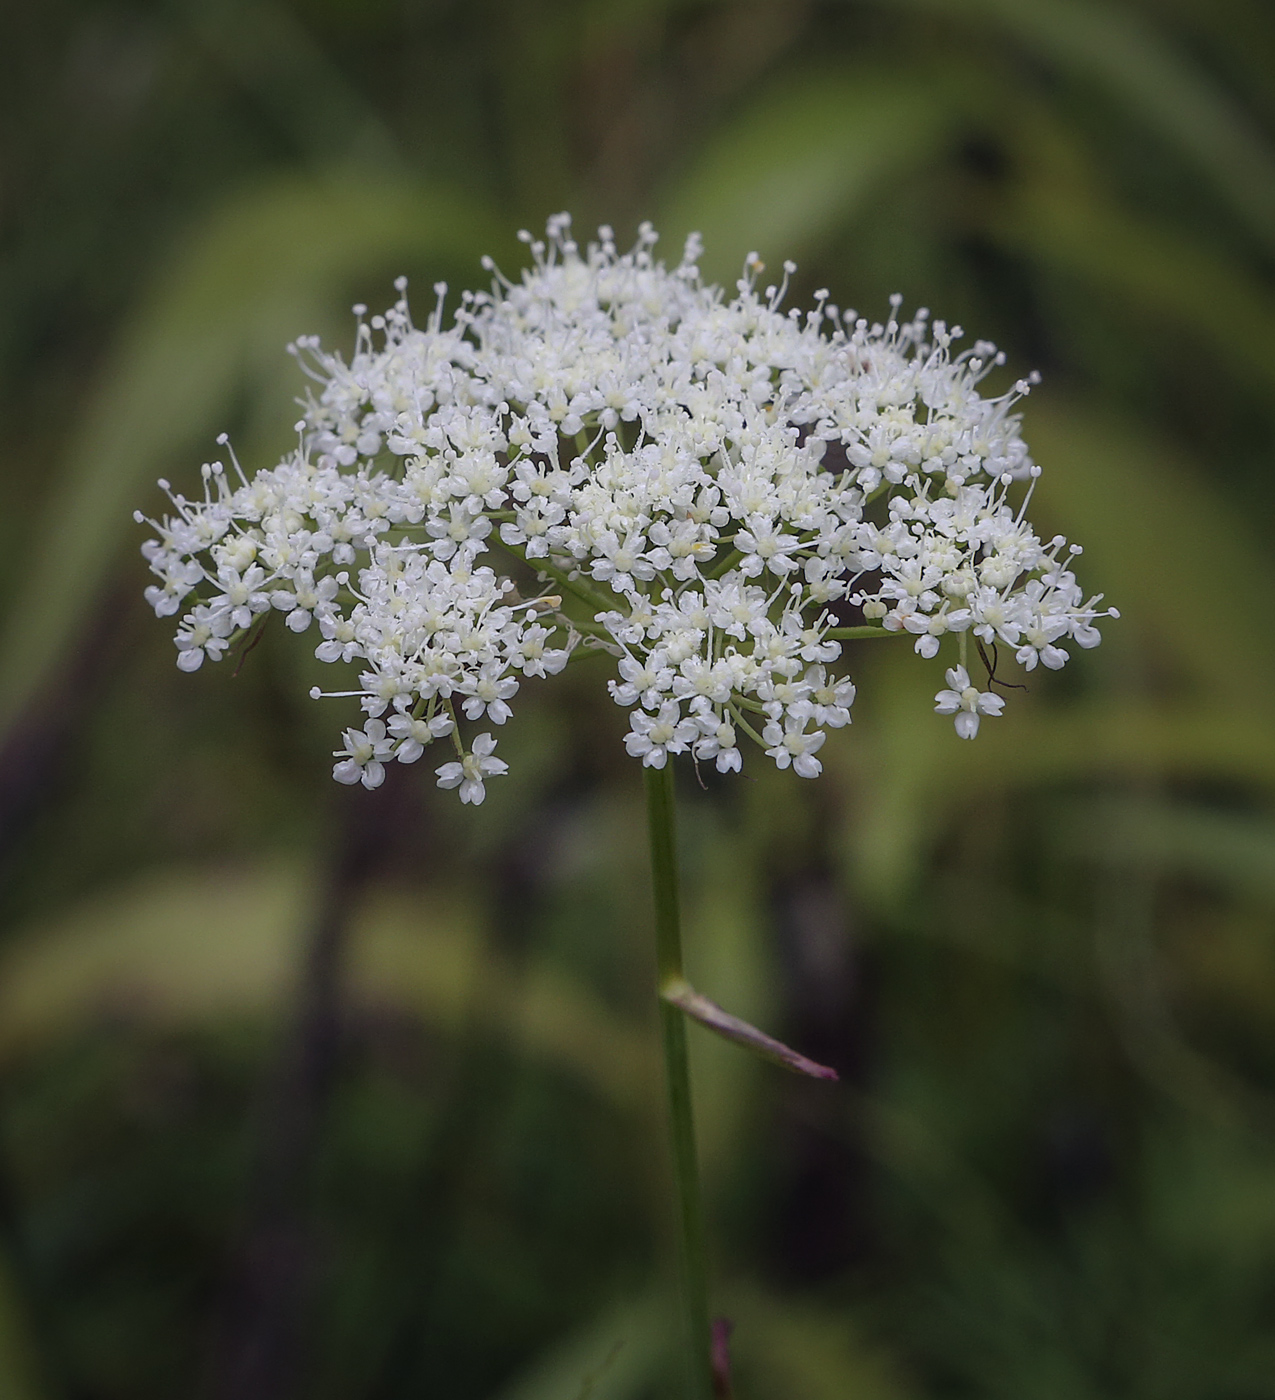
610,454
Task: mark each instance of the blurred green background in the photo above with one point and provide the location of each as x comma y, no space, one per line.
315,1093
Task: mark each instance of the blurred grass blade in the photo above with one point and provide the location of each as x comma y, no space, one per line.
276,58
1142,513
193,947
911,782
1234,851
427,957
802,161
613,1358
1136,262
805,1352
1110,43
256,273
19,1368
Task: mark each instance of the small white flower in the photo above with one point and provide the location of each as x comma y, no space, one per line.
414,734
717,742
653,737
830,700
363,757
966,702
204,632
792,744
491,691
473,768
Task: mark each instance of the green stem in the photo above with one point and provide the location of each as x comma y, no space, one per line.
597,601
725,564
861,634
661,818
739,719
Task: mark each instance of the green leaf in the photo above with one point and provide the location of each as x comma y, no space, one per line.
803,160
255,274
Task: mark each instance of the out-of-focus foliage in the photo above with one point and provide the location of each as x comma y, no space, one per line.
305,1092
